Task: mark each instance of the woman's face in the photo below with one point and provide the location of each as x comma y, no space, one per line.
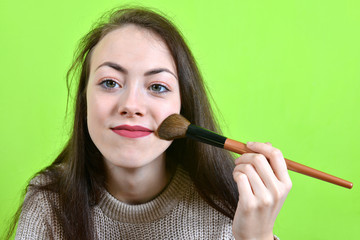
132,88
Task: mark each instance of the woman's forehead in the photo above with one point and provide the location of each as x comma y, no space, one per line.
131,43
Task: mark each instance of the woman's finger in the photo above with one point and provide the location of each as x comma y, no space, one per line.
275,158
257,185
261,166
245,192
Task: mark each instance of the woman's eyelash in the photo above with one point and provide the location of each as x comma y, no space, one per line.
159,88
109,84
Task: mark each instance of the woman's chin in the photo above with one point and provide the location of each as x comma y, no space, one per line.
132,162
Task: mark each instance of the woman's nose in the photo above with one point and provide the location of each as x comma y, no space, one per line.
132,104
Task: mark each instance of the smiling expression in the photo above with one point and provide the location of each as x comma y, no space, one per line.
133,86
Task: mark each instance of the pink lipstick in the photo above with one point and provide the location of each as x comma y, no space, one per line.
131,131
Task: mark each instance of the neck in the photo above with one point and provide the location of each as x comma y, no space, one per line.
138,185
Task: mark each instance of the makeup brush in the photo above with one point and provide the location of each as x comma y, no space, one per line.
176,126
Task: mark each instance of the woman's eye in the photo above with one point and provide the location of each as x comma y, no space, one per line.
158,88
109,84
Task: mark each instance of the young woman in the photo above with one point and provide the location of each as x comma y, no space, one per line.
115,179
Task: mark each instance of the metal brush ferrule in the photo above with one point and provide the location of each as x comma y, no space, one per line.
205,136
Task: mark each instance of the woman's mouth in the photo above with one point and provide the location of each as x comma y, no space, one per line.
131,131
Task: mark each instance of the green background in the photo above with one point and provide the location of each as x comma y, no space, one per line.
283,71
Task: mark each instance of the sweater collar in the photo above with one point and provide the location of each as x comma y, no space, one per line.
149,211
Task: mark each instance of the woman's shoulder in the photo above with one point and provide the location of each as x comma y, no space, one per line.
39,197
40,188
38,214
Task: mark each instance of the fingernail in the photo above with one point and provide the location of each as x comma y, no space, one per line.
250,144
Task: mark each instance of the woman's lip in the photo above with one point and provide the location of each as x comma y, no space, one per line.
131,131
132,128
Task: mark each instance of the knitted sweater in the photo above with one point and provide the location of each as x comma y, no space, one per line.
177,213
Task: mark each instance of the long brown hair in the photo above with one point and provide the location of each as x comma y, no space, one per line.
77,174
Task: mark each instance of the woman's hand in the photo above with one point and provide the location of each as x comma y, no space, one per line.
263,183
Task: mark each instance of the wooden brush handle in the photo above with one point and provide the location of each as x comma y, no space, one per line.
240,148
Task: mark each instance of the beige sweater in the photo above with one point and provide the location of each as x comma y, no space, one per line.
177,213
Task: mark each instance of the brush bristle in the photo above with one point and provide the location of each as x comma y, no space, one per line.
173,127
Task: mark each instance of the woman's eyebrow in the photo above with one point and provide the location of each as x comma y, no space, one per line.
121,69
159,70
113,65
